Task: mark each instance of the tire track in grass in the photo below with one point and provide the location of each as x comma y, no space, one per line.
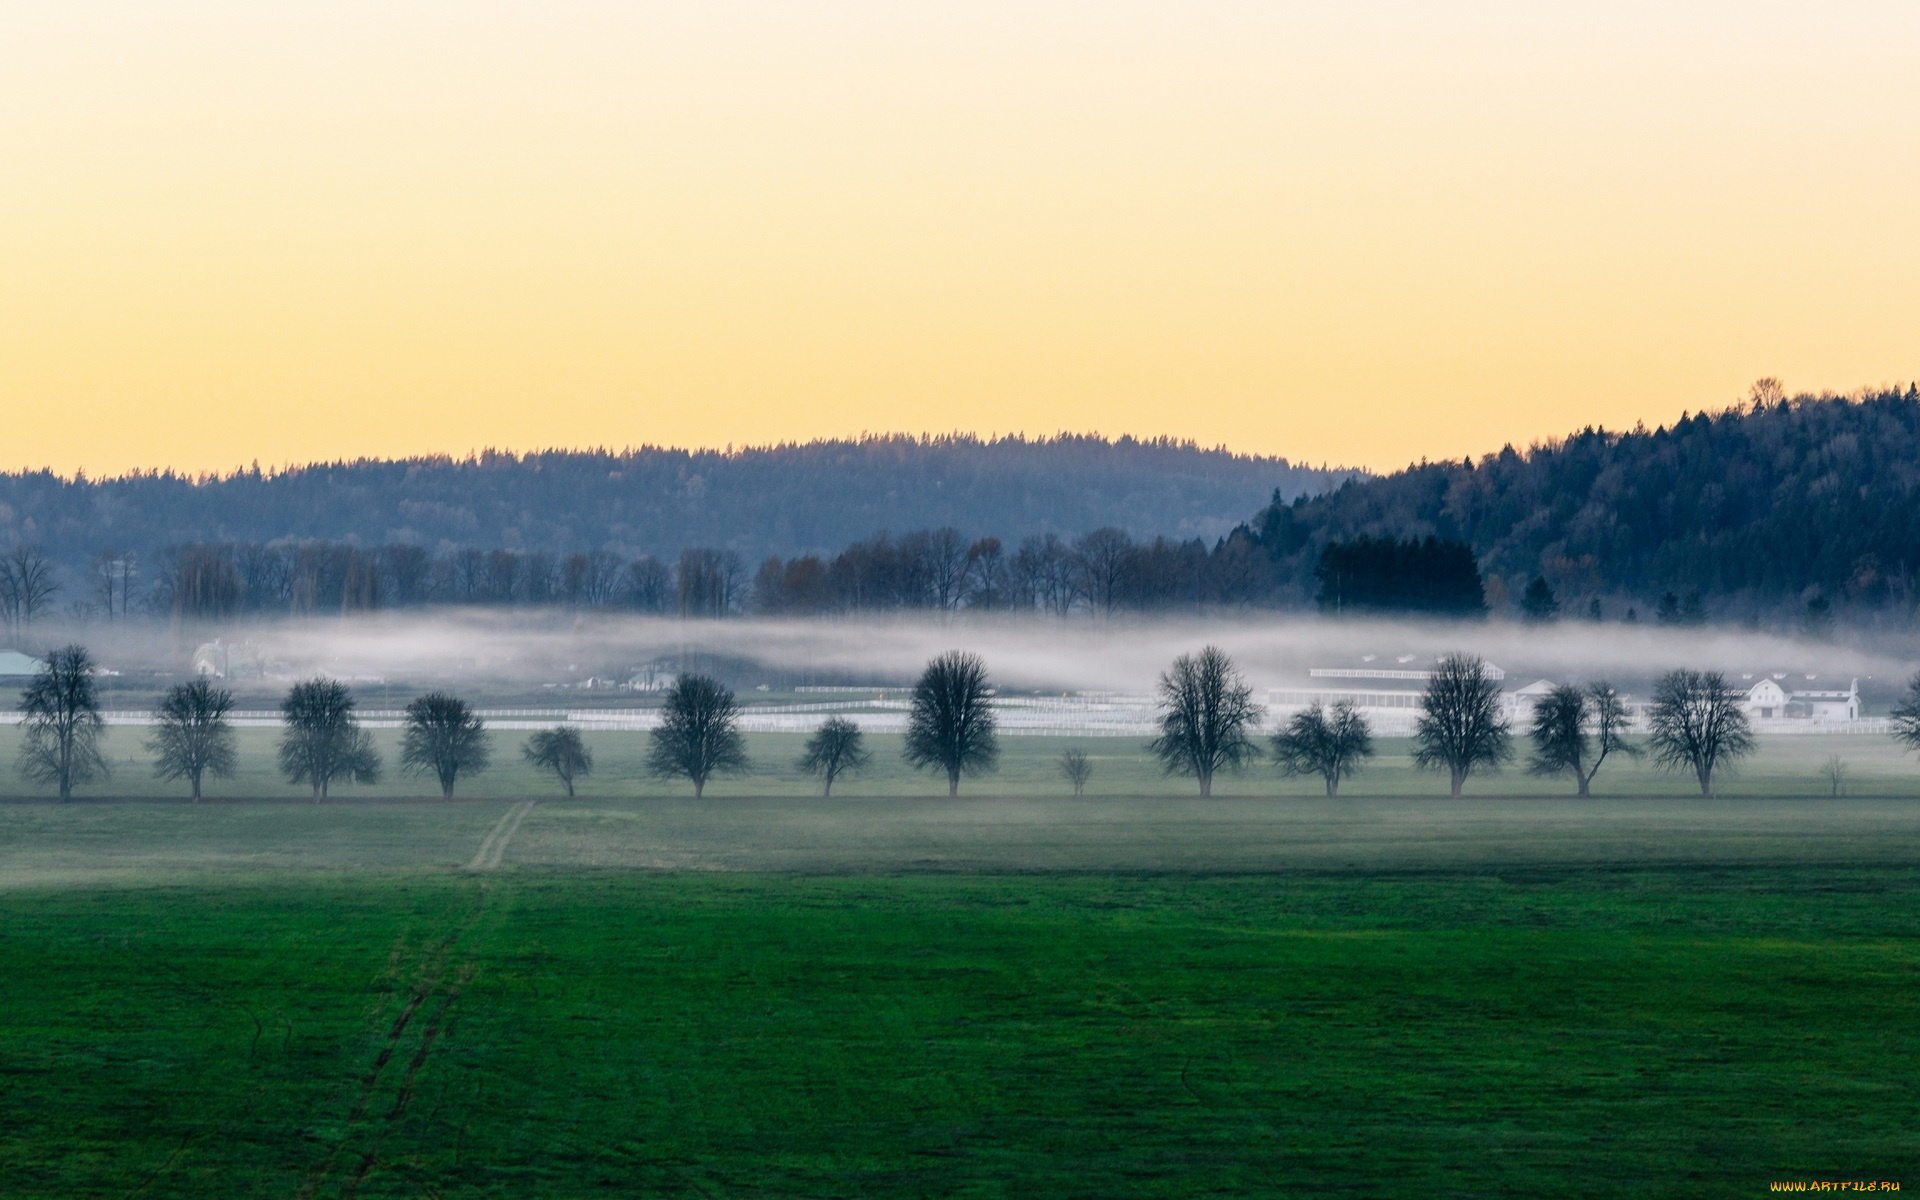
371,1156
487,857
433,975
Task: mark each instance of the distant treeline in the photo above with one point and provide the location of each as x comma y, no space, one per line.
936,569
1779,506
1105,571
1802,507
788,499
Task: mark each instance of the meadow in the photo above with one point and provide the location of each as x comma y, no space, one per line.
1134,993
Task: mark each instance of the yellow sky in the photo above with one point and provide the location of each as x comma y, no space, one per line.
1358,232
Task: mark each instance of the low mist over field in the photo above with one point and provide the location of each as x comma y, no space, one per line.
512,650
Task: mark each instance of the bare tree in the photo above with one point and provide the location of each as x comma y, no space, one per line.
1697,724
708,582
986,574
1460,729
1077,767
409,570
950,722
1104,557
699,733
561,751
191,735
27,586
61,715
540,578
834,749
322,740
114,571
1561,742
445,739
648,584
1206,708
943,566
1833,773
591,580
1330,746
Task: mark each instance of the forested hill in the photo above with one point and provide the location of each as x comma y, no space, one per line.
1754,508
775,500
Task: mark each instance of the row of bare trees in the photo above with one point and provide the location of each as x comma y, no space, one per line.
322,742
942,570
1101,572
1207,713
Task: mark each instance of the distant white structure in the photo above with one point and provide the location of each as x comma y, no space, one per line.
1493,672
211,659
1390,710
1770,700
15,665
1766,700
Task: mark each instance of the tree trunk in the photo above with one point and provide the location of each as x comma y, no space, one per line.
1206,785
953,783
1585,782
828,790
1706,783
699,786
196,789
1459,777
1333,786
569,784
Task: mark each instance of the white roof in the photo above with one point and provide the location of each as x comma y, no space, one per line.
12,662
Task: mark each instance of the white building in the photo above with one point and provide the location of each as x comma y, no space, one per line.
14,664
1771,699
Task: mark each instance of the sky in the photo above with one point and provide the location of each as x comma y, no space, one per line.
1360,233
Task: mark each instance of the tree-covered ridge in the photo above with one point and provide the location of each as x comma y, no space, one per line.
1756,505
782,499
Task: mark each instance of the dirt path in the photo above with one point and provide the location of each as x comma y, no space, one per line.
487,857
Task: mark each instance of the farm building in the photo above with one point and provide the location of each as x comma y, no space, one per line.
15,665
1770,699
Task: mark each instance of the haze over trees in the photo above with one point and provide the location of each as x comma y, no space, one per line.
443,738
192,737
1696,724
1332,745
1575,729
1460,729
1206,709
60,713
561,751
322,740
699,733
950,722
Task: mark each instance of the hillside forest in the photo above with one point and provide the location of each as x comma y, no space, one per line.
1779,510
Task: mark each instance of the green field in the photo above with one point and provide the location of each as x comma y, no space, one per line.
1017,993
1787,766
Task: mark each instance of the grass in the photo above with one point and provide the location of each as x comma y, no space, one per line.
1018,993
598,1033
1029,766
